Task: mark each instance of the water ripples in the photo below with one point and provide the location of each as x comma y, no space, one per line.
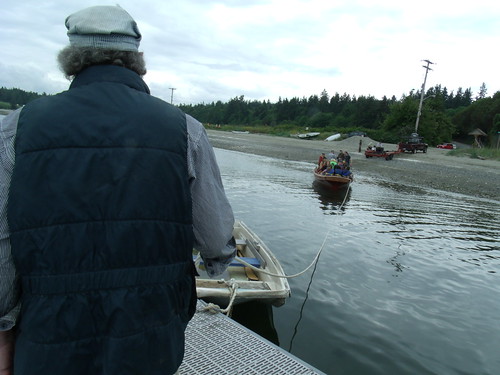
408,279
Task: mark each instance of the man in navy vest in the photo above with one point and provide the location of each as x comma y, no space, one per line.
104,192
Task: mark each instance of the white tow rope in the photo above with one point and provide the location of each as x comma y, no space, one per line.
233,285
308,267
214,308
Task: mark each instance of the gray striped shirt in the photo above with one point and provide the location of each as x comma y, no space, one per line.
213,218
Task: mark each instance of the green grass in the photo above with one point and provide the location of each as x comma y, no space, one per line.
4,105
279,130
477,153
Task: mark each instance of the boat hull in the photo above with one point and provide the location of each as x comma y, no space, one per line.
334,182
251,285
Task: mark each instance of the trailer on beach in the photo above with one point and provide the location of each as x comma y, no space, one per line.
379,152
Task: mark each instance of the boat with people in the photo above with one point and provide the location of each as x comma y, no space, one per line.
254,275
334,171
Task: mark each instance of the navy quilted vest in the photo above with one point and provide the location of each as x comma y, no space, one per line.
101,230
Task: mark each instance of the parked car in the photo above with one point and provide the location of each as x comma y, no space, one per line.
351,134
448,146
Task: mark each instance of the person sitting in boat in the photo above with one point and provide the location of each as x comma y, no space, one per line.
328,171
332,155
340,156
344,172
337,169
323,165
333,162
321,158
347,159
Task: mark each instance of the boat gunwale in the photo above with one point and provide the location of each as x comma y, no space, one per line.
279,288
332,178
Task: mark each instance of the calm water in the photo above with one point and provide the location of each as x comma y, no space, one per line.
408,281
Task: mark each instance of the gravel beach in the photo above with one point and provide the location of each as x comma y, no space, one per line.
435,169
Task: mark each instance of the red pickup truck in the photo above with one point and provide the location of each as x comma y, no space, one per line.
413,144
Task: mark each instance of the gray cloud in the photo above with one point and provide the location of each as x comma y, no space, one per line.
216,50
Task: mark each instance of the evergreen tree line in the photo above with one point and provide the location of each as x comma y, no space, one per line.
444,115
14,98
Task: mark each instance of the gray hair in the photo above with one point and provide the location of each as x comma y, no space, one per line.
72,60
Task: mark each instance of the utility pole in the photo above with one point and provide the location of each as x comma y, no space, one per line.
172,95
422,93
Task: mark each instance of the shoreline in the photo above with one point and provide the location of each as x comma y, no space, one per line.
435,169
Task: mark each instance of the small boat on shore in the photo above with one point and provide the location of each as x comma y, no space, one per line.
247,283
306,135
333,137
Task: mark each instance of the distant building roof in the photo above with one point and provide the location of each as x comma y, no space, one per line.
477,132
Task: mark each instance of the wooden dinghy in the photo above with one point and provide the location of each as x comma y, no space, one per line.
334,181
247,284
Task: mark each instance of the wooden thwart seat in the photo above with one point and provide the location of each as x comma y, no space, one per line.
252,261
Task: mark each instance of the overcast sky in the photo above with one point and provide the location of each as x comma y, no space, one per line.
266,49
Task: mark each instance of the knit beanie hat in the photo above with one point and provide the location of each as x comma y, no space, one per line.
106,27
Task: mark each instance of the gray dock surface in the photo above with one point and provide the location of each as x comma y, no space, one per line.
216,344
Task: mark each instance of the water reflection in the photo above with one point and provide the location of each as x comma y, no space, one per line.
395,261
331,200
407,267
301,314
257,317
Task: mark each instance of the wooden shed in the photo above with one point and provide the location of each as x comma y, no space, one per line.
478,133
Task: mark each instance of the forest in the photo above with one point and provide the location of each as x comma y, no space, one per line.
445,116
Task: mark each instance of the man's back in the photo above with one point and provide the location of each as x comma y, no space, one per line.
102,200
101,229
